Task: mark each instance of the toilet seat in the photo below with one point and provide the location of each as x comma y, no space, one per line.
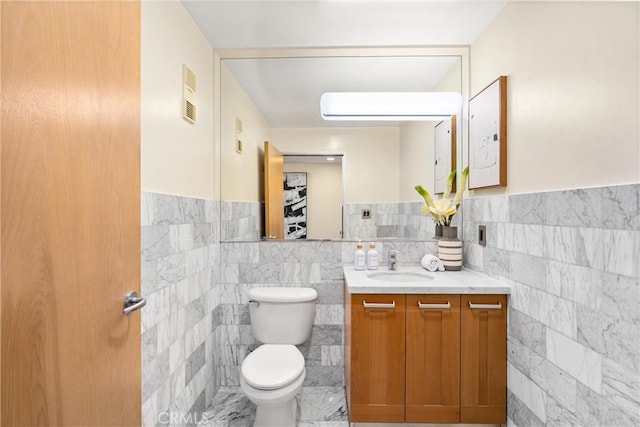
272,366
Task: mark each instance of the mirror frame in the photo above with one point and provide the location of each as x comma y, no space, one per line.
273,53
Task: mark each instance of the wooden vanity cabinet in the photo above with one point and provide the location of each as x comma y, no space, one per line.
375,354
483,359
429,359
433,359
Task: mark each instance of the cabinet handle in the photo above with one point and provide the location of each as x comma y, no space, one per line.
378,304
497,306
421,305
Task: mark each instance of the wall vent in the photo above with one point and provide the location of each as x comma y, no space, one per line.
188,94
189,112
239,147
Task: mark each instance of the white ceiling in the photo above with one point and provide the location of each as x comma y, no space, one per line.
309,23
288,90
316,159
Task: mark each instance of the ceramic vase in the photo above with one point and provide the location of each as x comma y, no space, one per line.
450,249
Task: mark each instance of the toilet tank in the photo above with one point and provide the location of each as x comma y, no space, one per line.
282,315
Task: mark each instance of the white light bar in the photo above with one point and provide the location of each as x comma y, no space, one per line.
397,106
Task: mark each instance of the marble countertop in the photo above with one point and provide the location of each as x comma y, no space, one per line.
439,282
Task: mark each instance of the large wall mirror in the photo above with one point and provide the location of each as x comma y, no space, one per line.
274,96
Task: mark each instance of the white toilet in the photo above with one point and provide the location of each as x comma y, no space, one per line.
272,374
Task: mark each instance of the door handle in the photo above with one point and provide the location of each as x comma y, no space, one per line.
133,302
497,306
426,305
378,305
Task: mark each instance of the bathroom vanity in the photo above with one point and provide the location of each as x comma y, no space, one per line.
425,347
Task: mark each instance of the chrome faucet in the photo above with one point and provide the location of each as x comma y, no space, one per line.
392,259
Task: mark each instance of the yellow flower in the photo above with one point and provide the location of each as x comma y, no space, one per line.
443,210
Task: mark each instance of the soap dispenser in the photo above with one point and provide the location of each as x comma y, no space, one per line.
359,262
372,257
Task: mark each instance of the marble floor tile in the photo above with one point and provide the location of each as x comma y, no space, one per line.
317,407
323,424
322,404
229,409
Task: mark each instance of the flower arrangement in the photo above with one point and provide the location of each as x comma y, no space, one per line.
443,210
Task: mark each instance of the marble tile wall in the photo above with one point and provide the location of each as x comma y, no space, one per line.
240,221
572,258
388,220
316,264
180,259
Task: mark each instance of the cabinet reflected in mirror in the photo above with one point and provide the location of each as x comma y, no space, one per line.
269,99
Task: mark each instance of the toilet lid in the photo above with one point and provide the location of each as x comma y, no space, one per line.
272,366
283,295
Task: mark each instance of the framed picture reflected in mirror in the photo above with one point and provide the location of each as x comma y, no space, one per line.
295,205
444,153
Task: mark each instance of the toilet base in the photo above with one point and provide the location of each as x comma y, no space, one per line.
275,408
282,415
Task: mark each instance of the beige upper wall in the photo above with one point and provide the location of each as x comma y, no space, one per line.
573,102
177,157
371,162
573,72
240,173
416,159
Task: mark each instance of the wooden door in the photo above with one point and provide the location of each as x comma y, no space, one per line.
273,192
70,223
433,359
484,359
377,359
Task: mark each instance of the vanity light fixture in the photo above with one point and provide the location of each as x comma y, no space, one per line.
396,106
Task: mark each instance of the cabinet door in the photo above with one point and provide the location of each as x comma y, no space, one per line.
483,359
377,358
433,359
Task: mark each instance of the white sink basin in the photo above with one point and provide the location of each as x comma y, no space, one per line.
399,276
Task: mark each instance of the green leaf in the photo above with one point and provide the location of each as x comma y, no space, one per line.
461,187
447,188
425,195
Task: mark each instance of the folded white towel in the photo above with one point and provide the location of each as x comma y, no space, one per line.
432,263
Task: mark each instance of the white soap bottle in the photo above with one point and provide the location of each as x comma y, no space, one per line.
359,262
372,257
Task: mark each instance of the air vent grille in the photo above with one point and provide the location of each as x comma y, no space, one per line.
189,111
188,94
